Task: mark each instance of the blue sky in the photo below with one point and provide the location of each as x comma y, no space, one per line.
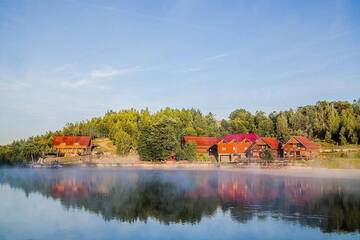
65,61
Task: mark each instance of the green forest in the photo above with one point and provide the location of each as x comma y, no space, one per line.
157,135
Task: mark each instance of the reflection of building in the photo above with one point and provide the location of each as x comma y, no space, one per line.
233,188
247,190
299,147
72,145
301,192
187,196
69,188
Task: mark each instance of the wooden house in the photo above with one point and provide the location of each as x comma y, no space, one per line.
233,150
257,150
300,147
72,145
203,144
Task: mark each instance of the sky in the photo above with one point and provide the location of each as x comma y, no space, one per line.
67,61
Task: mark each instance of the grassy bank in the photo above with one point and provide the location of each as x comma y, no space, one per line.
340,160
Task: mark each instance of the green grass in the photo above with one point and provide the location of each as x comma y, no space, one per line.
341,160
325,146
105,145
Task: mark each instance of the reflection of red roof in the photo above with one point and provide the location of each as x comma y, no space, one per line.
273,143
301,192
306,142
241,136
72,140
69,189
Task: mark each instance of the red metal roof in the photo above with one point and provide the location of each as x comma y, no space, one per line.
306,142
202,141
241,136
71,140
273,143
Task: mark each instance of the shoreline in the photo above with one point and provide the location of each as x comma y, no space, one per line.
295,171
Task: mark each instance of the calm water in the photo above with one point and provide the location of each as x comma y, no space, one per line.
90,203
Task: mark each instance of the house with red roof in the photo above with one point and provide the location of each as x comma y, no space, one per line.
235,146
257,150
300,147
233,150
72,145
203,144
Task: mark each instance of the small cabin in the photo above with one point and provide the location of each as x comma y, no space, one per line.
300,147
68,146
203,144
262,144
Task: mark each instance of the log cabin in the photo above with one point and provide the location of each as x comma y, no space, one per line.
203,144
300,147
68,146
233,150
257,150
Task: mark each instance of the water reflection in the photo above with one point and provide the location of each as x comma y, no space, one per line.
187,196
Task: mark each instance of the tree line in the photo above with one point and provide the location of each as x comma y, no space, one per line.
157,135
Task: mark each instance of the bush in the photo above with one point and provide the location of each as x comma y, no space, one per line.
187,152
268,154
123,142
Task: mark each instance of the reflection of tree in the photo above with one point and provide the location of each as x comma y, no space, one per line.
342,211
186,197
241,213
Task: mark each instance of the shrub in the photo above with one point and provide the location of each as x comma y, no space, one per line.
123,142
268,154
187,152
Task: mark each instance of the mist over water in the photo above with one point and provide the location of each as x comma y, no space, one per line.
95,203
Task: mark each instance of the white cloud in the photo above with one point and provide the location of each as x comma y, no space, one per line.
215,57
189,70
96,78
76,83
109,72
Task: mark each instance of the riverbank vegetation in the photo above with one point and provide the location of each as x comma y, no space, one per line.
157,135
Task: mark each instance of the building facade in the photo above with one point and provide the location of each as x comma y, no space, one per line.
300,147
263,144
69,146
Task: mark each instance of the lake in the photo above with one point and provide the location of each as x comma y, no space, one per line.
116,203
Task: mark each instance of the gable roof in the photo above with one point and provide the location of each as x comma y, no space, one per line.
84,141
242,147
307,143
273,143
241,136
202,140
202,143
